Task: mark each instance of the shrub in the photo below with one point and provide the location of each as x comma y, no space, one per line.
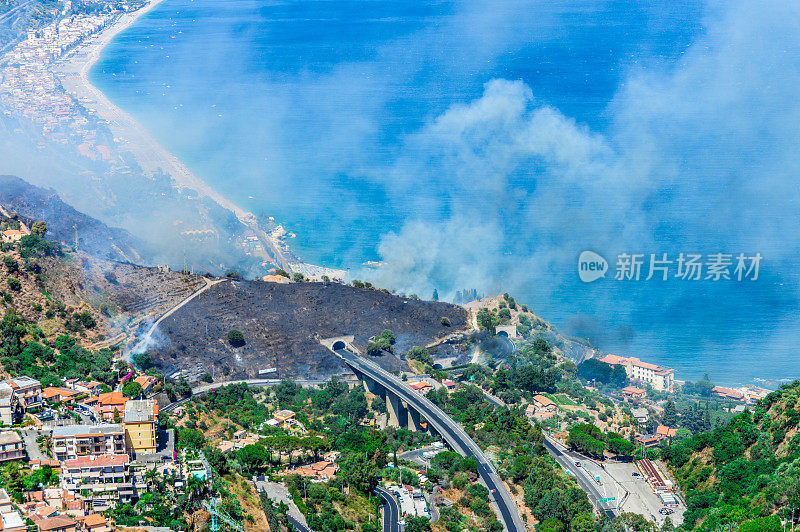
14,284
236,338
445,321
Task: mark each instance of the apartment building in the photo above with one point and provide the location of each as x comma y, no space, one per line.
141,426
77,441
99,481
10,407
660,378
28,390
11,447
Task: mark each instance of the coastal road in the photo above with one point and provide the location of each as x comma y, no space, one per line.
451,431
588,484
391,510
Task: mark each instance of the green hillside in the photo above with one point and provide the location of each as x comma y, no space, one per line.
744,475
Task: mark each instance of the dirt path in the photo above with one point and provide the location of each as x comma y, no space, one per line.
208,284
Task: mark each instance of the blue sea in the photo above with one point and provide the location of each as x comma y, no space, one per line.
487,144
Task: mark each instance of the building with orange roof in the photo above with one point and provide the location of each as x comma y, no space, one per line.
543,401
96,523
728,393
146,382
664,431
108,403
421,386
99,481
12,235
633,391
59,523
52,394
659,377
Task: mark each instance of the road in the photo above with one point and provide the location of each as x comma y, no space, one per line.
452,433
585,481
391,511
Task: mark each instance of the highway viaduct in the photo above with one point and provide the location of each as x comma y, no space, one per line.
408,408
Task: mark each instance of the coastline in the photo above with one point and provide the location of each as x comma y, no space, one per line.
132,136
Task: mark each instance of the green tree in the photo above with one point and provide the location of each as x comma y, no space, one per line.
39,228
14,284
11,265
132,389
417,524
435,296
670,417
252,457
236,338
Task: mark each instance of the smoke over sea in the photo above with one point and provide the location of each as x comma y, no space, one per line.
486,145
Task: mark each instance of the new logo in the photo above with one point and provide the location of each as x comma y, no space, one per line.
591,266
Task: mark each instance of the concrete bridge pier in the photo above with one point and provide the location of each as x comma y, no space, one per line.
372,387
393,410
414,420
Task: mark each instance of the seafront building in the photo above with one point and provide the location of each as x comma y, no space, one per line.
660,378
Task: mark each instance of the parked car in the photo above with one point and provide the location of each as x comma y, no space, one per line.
665,511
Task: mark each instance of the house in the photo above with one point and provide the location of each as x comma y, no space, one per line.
28,390
664,431
450,385
641,415
648,440
76,441
96,523
728,393
10,407
59,523
13,522
633,392
59,395
12,235
322,470
332,456
284,417
11,447
109,403
90,387
99,481
660,378
543,402
141,426
421,386
530,410
147,382
5,502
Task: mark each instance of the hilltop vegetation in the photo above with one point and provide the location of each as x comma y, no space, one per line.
745,474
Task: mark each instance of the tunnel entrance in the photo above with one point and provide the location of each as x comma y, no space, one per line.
338,345
501,333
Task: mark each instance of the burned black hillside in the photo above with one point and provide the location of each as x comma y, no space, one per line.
282,324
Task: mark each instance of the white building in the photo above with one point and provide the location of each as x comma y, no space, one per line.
660,378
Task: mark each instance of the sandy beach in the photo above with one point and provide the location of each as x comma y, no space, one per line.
131,136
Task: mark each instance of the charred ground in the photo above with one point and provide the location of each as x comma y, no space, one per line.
282,325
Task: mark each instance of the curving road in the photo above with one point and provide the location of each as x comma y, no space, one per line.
391,510
451,431
567,461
